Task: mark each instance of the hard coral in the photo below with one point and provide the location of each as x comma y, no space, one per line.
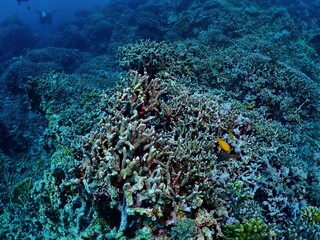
155,57
253,229
153,163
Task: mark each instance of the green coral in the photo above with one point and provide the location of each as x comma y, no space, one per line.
253,229
184,229
61,157
144,233
307,226
311,215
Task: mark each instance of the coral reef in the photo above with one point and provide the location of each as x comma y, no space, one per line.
68,60
154,160
67,101
213,135
307,226
149,155
40,61
18,135
284,92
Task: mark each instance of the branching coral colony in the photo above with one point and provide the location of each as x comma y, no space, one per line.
152,157
154,161
152,168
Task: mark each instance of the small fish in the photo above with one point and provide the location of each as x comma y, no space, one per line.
103,79
224,145
250,107
231,136
227,156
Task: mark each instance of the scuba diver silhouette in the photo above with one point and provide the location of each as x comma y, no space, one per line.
45,17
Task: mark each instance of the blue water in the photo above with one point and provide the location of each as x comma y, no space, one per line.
65,11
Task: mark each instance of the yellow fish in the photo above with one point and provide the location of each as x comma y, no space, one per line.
224,145
249,107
